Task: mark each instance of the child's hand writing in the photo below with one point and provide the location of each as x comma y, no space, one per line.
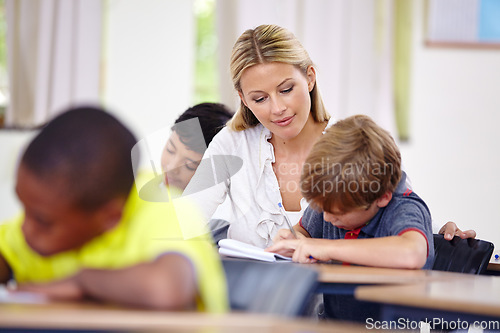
304,250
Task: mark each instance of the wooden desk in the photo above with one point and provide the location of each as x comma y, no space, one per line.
74,317
335,273
466,296
494,266
343,280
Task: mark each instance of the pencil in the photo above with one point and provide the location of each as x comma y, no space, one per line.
290,226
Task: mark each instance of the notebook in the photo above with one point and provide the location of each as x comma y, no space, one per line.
234,248
25,297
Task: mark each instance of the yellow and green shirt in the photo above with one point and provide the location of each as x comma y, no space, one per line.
146,230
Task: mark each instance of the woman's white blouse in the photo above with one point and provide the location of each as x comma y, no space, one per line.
252,209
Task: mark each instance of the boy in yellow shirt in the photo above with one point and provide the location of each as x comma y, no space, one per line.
85,232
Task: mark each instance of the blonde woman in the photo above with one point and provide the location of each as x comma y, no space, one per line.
281,116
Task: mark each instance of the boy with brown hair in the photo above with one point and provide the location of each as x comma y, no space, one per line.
85,232
361,210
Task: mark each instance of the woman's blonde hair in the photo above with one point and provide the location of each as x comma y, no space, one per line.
265,44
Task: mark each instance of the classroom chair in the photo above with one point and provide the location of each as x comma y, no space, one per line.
461,255
272,288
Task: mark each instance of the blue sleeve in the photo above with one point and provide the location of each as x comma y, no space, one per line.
412,214
312,222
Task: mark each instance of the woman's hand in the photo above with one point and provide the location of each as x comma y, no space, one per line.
287,234
450,229
283,234
284,246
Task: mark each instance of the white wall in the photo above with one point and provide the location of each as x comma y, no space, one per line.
149,69
11,144
453,156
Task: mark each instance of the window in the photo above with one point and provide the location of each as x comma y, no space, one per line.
206,82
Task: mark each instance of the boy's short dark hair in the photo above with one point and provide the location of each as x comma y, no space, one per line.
86,153
212,118
353,164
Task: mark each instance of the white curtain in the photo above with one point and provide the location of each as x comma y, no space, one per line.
54,54
350,41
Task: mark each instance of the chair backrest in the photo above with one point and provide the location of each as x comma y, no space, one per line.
272,288
461,255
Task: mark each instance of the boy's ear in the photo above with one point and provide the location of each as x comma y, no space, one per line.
384,199
111,213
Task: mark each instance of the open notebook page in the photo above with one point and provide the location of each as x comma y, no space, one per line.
234,248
